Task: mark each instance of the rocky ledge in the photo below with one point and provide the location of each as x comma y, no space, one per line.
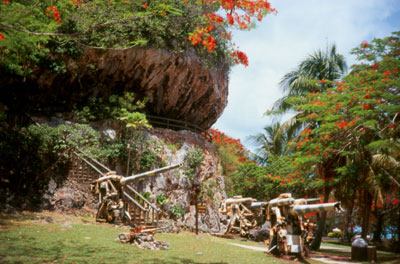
177,86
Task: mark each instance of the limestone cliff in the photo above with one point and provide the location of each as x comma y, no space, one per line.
178,86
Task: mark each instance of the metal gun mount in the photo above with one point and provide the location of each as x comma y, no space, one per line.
290,232
114,198
243,214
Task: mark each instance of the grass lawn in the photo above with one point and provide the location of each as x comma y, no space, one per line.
382,256
70,239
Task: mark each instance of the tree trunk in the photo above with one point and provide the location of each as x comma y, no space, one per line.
366,212
398,233
316,243
378,228
348,229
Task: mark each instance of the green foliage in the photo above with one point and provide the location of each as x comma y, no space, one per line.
265,183
28,155
123,108
147,159
102,24
335,234
174,147
178,211
193,159
352,137
161,199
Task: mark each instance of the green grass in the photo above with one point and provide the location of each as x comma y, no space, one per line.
24,239
382,256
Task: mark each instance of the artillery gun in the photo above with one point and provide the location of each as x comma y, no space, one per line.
114,199
244,214
290,233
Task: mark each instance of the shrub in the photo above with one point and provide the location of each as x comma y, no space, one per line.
177,211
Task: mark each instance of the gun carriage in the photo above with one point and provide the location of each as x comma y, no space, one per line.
114,199
244,214
290,232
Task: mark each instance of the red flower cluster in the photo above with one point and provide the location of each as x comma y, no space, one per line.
344,124
250,8
209,42
2,36
240,57
54,12
364,44
76,2
318,103
220,139
306,131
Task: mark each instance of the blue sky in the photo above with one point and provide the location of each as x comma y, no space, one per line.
281,41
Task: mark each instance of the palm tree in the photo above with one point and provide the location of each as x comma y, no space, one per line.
272,141
321,65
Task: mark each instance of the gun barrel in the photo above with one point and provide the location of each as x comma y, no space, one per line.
258,204
306,201
238,200
126,180
314,208
280,202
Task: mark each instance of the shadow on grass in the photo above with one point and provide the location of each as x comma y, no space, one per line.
176,260
10,219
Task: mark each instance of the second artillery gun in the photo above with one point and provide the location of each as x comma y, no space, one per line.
290,232
244,214
114,198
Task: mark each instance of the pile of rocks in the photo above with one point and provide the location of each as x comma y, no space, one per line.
143,240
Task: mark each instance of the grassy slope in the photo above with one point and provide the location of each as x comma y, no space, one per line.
69,240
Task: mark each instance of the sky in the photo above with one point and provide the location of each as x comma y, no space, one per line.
280,42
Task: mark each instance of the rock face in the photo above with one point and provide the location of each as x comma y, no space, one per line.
178,188
178,86
171,146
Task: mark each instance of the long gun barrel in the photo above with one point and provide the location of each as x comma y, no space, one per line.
280,202
126,180
306,201
258,204
314,208
238,200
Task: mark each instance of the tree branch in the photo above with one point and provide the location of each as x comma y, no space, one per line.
73,35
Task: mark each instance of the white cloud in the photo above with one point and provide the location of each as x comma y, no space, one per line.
281,41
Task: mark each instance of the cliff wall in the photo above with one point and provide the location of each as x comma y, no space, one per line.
177,86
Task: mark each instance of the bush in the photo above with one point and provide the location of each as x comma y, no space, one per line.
177,211
335,234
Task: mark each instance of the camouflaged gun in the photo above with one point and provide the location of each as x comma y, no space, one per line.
113,196
243,214
290,232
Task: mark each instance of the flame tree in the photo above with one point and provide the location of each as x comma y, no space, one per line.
352,146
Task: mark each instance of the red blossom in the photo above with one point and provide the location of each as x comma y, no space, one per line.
364,44
55,12
240,57
2,36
